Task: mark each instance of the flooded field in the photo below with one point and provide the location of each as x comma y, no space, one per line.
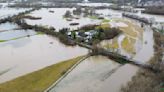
146,51
6,12
118,79
57,20
26,51
133,42
158,18
87,76
16,34
29,54
95,4
109,13
7,26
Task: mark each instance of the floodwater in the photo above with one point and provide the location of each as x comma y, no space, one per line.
13,34
146,50
57,20
95,74
116,14
5,12
118,79
29,54
109,13
94,4
143,47
3,5
7,26
140,39
87,76
158,18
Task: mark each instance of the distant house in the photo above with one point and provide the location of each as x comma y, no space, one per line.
73,34
69,33
82,36
91,33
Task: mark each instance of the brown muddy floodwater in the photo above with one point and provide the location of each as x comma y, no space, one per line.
25,55
88,76
118,79
95,74
57,20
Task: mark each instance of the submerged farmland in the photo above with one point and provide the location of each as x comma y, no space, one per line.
33,48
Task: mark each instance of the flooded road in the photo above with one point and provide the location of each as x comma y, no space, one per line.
29,54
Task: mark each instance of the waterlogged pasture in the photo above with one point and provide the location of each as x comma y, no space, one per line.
32,53
57,20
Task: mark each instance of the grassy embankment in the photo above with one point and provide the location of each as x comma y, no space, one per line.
40,80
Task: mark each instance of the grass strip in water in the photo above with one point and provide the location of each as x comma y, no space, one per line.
93,17
12,39
38,33
105,21
40,80
2,40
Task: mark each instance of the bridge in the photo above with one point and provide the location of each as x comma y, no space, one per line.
117,57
